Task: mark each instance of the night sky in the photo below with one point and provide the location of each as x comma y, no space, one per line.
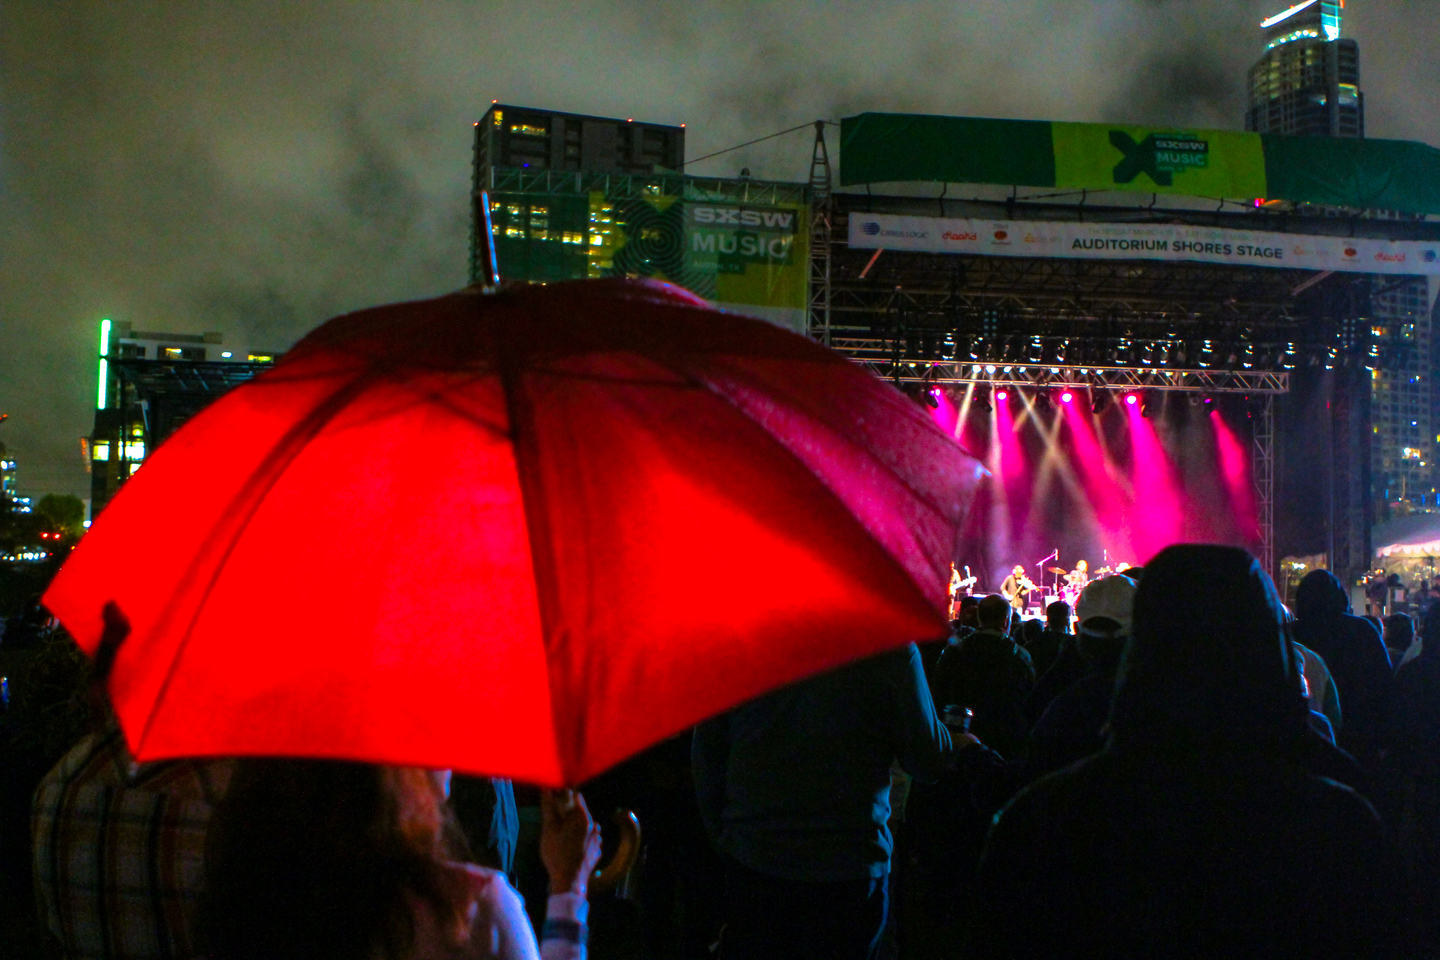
256,168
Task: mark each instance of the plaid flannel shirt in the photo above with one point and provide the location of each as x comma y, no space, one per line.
120,850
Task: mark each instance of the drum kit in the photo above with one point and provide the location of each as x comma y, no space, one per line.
1074,582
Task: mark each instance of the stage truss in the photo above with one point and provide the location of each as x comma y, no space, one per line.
1042,376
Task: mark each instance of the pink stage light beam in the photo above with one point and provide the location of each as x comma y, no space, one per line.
1235,471
1157,517
1108,498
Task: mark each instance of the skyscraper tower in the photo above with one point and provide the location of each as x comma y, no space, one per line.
1308,81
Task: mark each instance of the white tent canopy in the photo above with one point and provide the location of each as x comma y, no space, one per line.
1417,535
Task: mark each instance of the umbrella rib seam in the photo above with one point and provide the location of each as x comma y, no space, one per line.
701,384
296,438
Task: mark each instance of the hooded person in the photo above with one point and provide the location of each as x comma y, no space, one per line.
1072,726
1197,831
1355,654
1416,757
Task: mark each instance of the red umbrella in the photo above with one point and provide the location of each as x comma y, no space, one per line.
525,535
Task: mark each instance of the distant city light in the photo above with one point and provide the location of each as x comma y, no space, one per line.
1281,17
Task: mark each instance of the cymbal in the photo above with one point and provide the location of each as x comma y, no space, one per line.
1058,570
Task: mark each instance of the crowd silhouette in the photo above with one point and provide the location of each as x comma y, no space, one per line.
1181,766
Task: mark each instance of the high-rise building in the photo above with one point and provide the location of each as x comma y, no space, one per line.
148,384
1402,394
573,196
1308,81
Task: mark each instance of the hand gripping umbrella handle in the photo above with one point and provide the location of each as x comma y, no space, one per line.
608,877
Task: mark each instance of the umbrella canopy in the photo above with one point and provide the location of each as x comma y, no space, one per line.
524,534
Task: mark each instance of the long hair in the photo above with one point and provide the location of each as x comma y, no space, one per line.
318,859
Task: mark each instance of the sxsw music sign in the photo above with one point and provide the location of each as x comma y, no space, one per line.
1159,156
757,234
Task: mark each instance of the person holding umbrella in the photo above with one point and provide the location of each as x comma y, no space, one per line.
354,861
559,451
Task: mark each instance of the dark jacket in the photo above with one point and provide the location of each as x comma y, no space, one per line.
796,784
1356,657
992,675
1068,667
1070,728
1196,832
1417,733
1044,649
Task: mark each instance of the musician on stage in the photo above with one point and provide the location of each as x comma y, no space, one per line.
1016,588
1080,576
960,585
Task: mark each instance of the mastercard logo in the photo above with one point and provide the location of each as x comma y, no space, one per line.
1001,234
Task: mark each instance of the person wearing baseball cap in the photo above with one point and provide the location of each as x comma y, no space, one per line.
1072,726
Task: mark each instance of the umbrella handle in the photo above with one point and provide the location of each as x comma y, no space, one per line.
608,877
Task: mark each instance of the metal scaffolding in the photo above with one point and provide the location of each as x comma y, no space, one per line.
821,215
1075,376
1262,470
931,320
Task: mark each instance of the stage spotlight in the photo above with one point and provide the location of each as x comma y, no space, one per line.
1002,394
1098,401
932,398
1066,397
1131,399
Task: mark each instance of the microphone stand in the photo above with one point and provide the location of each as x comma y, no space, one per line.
1054,555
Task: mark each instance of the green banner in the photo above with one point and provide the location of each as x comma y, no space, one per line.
1365,174
1197,163
751,258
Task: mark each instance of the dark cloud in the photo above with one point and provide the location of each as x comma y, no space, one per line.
258,167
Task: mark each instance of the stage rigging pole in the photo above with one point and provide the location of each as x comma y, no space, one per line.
820,222
1263,474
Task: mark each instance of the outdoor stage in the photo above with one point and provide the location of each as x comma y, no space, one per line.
1099,476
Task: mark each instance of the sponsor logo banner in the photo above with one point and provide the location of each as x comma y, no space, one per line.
1119,241
1201,163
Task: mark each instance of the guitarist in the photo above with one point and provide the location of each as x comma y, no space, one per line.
958,583
1016,588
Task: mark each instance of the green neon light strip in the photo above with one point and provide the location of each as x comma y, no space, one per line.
104,364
